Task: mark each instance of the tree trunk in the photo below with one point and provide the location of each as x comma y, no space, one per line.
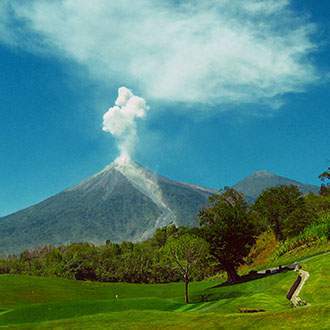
186,292
232,276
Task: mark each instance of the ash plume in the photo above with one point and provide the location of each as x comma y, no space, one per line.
120,120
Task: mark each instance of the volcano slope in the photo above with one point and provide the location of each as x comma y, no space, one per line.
122,202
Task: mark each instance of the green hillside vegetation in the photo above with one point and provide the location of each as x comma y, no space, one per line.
28,302
229,226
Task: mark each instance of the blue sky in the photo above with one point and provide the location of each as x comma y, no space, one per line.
225,100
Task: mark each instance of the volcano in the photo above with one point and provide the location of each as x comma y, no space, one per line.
122,202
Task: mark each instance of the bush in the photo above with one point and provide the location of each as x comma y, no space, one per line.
321,227
139,262
316,233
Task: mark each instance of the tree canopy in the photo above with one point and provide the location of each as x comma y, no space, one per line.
284,209
229,228
187,254
325,186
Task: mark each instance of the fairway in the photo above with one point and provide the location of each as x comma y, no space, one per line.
47,303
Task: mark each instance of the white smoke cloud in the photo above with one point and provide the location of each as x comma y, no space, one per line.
120,121
210,51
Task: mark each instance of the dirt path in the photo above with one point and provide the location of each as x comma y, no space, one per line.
295,299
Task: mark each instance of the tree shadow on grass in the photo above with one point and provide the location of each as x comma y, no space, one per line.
253,275
209,297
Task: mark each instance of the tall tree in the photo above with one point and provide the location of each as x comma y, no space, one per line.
325,186
229,228
280,207
186,253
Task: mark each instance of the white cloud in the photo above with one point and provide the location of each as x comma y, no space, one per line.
216,51
265,7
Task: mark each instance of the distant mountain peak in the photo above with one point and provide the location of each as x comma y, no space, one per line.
118,163
253,185
262,173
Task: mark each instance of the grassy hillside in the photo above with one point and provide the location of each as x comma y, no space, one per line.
33,302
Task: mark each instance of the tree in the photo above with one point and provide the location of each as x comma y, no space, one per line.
297,221
162,234
186,253
229,228
79,261
325,186
317,203
279,206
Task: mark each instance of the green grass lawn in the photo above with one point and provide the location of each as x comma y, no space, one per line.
49,303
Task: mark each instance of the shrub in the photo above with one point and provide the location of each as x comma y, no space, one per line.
316,233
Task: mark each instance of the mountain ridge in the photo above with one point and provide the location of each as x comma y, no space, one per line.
121,202
255,183
124,201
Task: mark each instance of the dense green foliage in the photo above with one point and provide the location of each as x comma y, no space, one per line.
317,204
125,262
284,209
230,229
315,234
187,254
